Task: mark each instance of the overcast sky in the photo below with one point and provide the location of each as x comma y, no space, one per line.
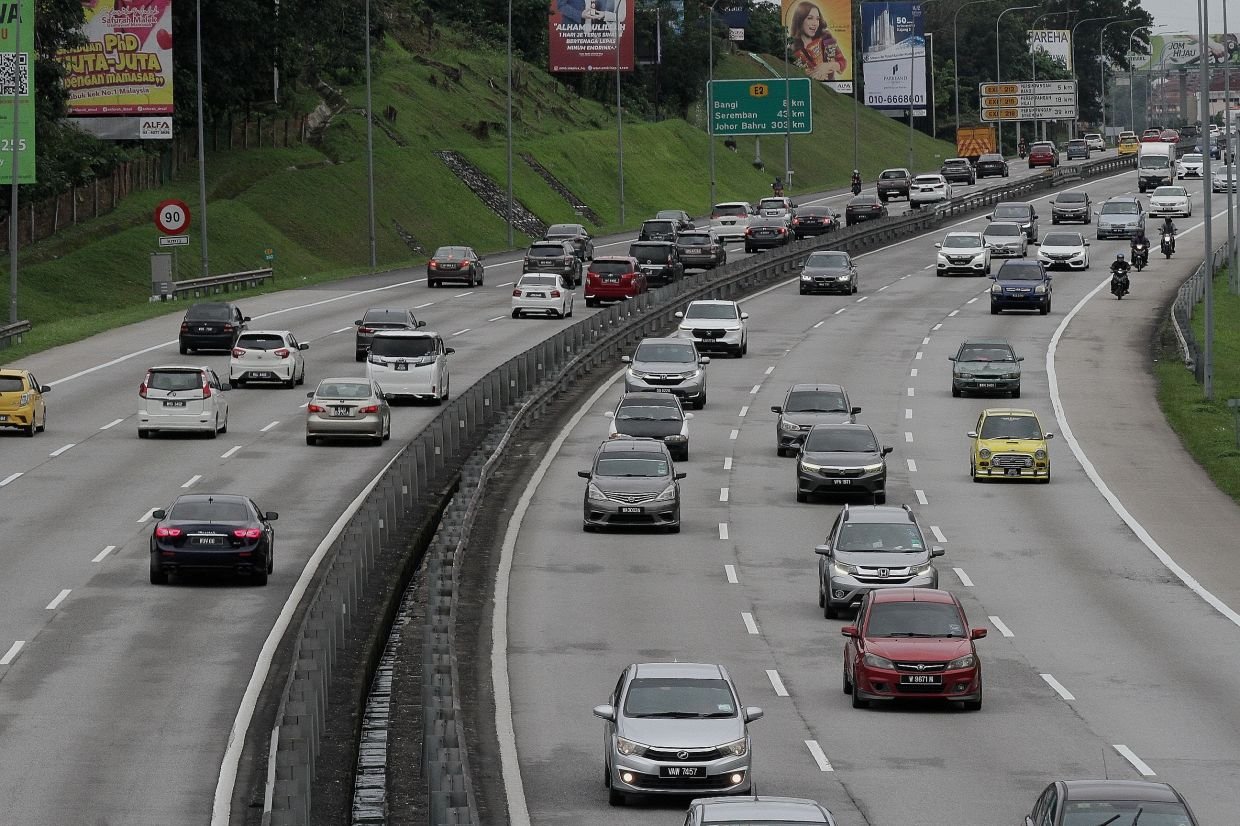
1182,17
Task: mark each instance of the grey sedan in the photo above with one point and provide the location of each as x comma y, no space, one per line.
756,811
632,484
348,408
829,271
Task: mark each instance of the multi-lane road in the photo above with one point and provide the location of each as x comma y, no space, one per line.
1100,662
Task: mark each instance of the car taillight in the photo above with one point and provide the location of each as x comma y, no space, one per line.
238,352
184,327
370,408
516,293
315,408
555,293
748,231
283,352
433,264
168,533
206,390
228,328
365,330
592,277
248,533
142,390
628,276
796,221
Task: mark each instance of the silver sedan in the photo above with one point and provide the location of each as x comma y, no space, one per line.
348,408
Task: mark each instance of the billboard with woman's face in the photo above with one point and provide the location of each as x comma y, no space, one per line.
820,40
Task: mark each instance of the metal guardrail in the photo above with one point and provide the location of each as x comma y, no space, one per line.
1186,299
409,499
216,284
13,332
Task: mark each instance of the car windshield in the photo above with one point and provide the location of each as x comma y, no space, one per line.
537,281
451,252
1020,272
1003,229
12,384
731,209
175,380
385,317
1063,239
915,619
693,239
772,203
955,162
1121,208
546,250
990,158
650,252
962,241
928,179
343,390
1078,142
1124,813
1011,427
985,353
833,440
666,352
1154,161
1171,192
697,310
648,466
893,174
1015,211
816,401
402,347
209,312
679,697
563,230
670,214
261,341
1191,159
1070,198
658,226
203,511
813,212
880,537
864,201
648,413
828,260
610,267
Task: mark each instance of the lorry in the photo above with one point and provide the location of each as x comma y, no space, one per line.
974,141
1155,165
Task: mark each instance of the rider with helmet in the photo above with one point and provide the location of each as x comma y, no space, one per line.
1168,228
778,188
856,181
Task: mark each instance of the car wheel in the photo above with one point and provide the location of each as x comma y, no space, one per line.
144,434
158,575
744,346
1016,392
259,577
184,350
857,702
674,528
569,314
846,686
700,403
446,388
215,429
973,705
291,383
779,451
302,378
802,496
829,611
615,798
1045,308
955,392
880,498
42,427
804,291
973,473
855,288
312,440
994,310
590,302
683,456
748,248
359,356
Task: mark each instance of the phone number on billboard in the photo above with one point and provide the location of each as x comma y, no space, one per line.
876,100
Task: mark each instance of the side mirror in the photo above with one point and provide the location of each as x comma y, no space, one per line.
753,713
855,411
609,414
744,316
225,387
245,318
937,245
159,513
680,475
271,516
607,713
977,633
626,359
704,360
447,351
1020,358
936,551
990,217
357,323
1048,436
678,314
850,631
951,358
887,449
584,474
1037,243
44,389
972,434
776,409
1087,243
303,346
310,395
824,550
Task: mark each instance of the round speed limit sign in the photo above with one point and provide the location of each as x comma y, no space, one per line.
172,217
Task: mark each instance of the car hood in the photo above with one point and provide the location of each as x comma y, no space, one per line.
919,649
1168,199
996,367
1018,284
826,271
961,252
664,367
1004,240
667,733
1119,217
883,559
655,430
834,459
1056,250
713,323
647,261
632,484
805,419
1075,206
1011,445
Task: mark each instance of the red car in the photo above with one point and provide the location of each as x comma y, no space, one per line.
1151,135
1169,136
1043,153
912,643
613,278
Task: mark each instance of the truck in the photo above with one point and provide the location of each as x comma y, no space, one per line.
974,141
1155,165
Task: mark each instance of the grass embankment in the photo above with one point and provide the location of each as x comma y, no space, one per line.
309,203
1208,428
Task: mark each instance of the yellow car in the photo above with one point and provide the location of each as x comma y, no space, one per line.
1128,146
21,401
1009,444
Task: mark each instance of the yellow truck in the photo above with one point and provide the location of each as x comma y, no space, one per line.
974,141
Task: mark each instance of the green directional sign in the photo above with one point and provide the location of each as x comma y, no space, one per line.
760,107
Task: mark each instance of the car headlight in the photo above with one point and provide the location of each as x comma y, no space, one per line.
967,661
878,662
918,570
789,427
874,468
628,747
806,276
668,494
984,453
1011,375
637,374
592,492
1041,288
1039,454
809,466
736,748
691,374
675,437
942,259
688,331
996,288
964,375
843,277
843,568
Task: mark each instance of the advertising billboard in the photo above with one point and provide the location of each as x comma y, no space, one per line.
1055,43
893,57
17,80
735,14
1169,51
120,80
583,35
821,37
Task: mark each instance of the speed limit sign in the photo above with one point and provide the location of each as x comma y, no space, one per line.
172,217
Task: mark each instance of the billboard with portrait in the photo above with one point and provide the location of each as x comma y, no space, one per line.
1054,43
820,36
893,57
584,35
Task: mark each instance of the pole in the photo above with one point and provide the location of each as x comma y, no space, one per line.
1203,14
1132,116
370,151
202,144
510,230
997,78
1072,45
856,84
932,103
787,119
1033,64
1204,137
956,58
13,161
710,96
912,62
1102,62
619,120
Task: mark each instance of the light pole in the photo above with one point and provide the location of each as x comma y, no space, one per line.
787,118
956,56
370,150
202,145
1033,68
710,95
997,19
1204,137
1207,372
1072,45
912,50
619,120
1102,64
1132,116
510,240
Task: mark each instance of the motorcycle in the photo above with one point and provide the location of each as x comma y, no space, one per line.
1022,151
1168,244
856,188
1119,281
1140,256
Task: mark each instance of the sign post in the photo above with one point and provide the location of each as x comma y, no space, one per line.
1028,100
756,107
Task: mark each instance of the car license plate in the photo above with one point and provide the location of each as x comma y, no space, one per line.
1013,471
921,679
261,374
447,266
694,251
209,540
663,389
535,295
682,771
3,418
173,403
401,366
840,481
342,411
985,384
611,279
204,329
631,510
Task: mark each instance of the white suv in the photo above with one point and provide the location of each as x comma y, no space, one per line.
730,219
715,325
182,397
929,189
1095,142
966,253
267,355
412,364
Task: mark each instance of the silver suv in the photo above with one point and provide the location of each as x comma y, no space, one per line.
668,365
675,728
806,405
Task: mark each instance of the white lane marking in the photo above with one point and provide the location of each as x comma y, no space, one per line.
61,597
776,683
929,266
730,572
937,327
755,389
908,437
768,371
744,411
912,372
146,517
953,313
971,300
723,530
462,295
110,424
819,756
270,426
908,412
880,289
925,341
192,480
497,318
1092,472
819,324
840,310
458,332
999,624
12,477
938,533
99,557
723,494
727,463
911,391
918,356
734,434
750,625
230,451
12,653
921,497
505,284
912,465
423,306
1058,686
862,298
1128,754
964,578
61,450
910,275
342,330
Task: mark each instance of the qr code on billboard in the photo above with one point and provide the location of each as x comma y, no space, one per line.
13,70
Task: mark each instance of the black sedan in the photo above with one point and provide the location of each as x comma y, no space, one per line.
829,271
766,232
958,171
454,264
213,531
211,325
864,207
813,220
991,164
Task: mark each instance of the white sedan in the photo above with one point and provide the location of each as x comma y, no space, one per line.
929,189
267,356
542,292
1064,249
1189,166
730,219
1171,200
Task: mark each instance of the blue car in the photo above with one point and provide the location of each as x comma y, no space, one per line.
1021,285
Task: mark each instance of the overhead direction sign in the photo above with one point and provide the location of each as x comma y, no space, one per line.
757,107
1029,113
1029,87
1028,100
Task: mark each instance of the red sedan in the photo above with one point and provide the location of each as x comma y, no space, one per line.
912,643
613,278
1151,135
1043,153
1169,136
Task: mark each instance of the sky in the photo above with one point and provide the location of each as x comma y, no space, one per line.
1179,16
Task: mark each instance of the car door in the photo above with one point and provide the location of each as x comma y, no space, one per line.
479,267
238,322
441,360
38,408
824,560
609,726
217,394
299,360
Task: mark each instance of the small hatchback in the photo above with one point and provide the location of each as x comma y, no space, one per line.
543,293
21,401
267,356
632,484
178,397
1009,444
613,278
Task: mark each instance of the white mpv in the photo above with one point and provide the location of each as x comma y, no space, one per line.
411,364
182,397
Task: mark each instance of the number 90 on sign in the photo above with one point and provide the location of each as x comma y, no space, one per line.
172,217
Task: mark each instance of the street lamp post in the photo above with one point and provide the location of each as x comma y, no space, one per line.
1132,117
997,19
202,145
510,240
1207,372
619,121
956,56
710,95
1102,63
787,118
1033,66
370,151
911,87
1072,38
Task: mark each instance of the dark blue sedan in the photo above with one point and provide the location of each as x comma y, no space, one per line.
1021,285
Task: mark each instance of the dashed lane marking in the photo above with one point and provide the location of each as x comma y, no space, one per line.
60,450
12,653
111,424
819,756
921,497
730,572
744,411
1002,628
963,577
102,555
750,625
912,465
192,480
1058,686
776,683
908,436
1128,754
230,451
269,427
727,463
12,477
938,534
61,597
723,494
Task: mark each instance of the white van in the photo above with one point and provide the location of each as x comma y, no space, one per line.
1155,165
182,397
411,364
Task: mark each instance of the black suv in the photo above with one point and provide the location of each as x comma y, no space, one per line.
658,261
575,234
959,171
211,325
380,318
1072,206
842,458
658,229
553,256
894,183
872,547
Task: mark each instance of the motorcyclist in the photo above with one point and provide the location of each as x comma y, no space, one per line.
1119,264
778,188
1119,276
1168,228
1139,241
856,178
1023,148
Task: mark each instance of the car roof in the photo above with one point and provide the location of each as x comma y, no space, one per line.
664,340
880,514
994,224
566,228
14,371
539,273
1008,411
658,221
929,176
644,397
843,426
972,233
912,595
986,342
1025,204
733,204
1119,790
895,169
197,304
713,301
956,160
407,333
757,809
393,310
627,259
652,243
680,671
198,367
353,379
217,497
284,333
799,387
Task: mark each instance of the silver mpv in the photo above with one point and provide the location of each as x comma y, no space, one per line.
632,483
675,728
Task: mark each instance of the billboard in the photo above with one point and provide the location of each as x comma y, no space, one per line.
120,80
893,57
583,35
1055,43
1169,51
735,14
17,82
820,35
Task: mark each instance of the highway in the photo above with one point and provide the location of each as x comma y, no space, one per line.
1099,661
